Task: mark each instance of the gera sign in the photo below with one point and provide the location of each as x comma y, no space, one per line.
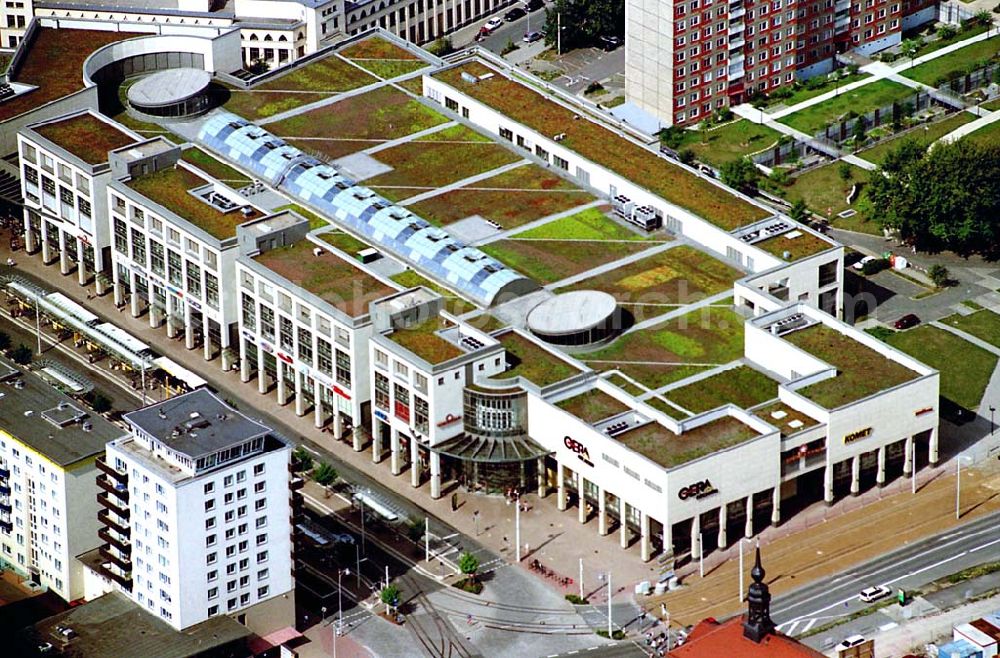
578,448
698,490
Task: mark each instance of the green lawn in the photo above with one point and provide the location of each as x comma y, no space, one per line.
863,99
730,142
825,192
592,406
675,349
435,161
315,221
923,135
548,261
983,324
668,409
215,168
988,135
965,368
743,386
938,71
937,44
452,302
589,224
803,93
391,68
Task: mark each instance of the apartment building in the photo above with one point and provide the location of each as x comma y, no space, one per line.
49,445
684,60
197,520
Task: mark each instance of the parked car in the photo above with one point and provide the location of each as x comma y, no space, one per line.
491,25
514,14
532,37
860,265
907,321
533,5
870,594
609,43
852,641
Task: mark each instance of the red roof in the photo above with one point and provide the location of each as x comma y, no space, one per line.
710,639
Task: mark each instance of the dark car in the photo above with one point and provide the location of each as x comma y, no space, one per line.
513,14
609,43
533,5
907,321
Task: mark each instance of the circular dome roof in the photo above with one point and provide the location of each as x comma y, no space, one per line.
168,87
572,313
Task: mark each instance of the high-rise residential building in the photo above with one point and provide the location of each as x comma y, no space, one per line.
48,497
685,59
197,522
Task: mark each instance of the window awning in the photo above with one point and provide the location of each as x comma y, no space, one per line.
491,450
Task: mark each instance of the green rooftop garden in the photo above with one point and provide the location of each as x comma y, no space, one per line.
215,168
86,137
787,420
728,142
422,339
925,135
592,406
548,261
660,404
600,145
315,221
170,188
528,360
346,242
940,70
861,371
669,450
589,224
674,349
680,275
333,279
797,244
510,199
54,63
983,324
376,48
453,303
860,100
436,160
965,368
625,384
743,386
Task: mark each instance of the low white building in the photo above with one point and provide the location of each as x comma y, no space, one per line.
197,520
49,446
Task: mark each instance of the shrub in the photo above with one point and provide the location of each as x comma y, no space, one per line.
509,48
389,595
100,403
671,136
799,211
21,354
4,341
939,275
302,460
441,47
593,88
779,176
325,474
947,32
618,634
875,266
882,333
576,600
686,156
468,564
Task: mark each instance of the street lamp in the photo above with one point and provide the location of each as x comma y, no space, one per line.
992,426
958,483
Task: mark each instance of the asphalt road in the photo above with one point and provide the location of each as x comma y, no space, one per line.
908,568
512,31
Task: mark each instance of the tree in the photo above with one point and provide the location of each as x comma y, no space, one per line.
859,131
441,47
947,32
671,137
939,275
302,460
909,48
703,129
100,403
686,156
845,171
325,474
583,22
4,341
799,211
741,175
389,595
468,564
21,354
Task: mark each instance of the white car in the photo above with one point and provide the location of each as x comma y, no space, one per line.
493,23
852,641
860,265
870,594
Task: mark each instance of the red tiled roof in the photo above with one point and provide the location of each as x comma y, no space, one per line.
710,639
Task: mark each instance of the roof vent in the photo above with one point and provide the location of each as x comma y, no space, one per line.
19,384
159,412
87,427
29,412
317,251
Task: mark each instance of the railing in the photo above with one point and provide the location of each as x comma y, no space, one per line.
118,490
106,468
123,545
124,581
121,562
106,501
104,516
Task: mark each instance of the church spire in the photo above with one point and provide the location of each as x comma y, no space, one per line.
758,624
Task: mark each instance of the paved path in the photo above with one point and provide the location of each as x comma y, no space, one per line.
967,128
541,221
409,138
435,191
680,310
613,265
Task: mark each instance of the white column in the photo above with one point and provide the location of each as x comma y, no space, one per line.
244,361
828,483
435,460
932,446
644,536
81,267
300,398
338,421
602,512
543,487
188,327
118,291
776,505
723,522
908,456
748,528
46,247
855,475
206,340
168,300
29,237
623,526
560,488
279,376
357,439
318,415
154,312
377,441
414,462
133,298
880,473
696,537
394,449
668,537
63,254
581,501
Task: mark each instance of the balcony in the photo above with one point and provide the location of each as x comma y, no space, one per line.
5,508
113,505
110,471
104,516
737,44
6,527
121,562
123,545
4,490
116,489
296,483
124,580
4,473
